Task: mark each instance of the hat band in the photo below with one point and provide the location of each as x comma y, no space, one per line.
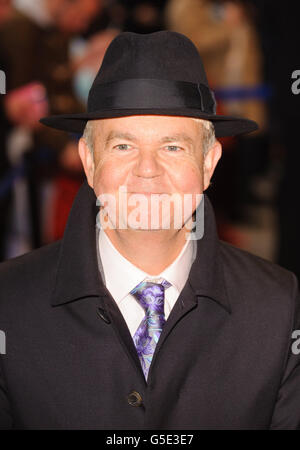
142,93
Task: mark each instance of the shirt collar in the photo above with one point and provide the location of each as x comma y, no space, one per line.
114,264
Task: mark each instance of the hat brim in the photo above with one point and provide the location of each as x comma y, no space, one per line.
224,125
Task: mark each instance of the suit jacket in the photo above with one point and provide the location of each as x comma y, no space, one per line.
223,360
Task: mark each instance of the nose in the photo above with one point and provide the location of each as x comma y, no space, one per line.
147,165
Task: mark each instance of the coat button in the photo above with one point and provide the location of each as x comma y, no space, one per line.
134,399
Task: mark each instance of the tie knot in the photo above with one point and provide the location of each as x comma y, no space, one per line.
151,295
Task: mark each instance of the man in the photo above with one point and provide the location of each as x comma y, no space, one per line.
119,326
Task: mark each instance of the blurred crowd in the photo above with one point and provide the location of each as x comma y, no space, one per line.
50,52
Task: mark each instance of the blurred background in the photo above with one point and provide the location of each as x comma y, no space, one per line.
50,52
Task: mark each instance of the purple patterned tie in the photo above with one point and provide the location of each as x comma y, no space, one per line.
151,297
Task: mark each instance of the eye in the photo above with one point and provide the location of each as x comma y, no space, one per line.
122,146
174,148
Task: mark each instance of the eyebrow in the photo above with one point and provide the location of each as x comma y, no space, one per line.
178,137
119,135
130,137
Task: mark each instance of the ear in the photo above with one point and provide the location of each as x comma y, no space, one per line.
87,160
210,161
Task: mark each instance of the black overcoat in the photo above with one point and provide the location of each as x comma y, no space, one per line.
226,358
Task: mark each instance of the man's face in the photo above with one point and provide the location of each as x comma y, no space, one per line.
149,154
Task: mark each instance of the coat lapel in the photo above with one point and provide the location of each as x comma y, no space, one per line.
77,273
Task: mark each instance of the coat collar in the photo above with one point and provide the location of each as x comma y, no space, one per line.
78,274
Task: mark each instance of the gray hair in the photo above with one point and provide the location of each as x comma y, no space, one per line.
208,138
88,135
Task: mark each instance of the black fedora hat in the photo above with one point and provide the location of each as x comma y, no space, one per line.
157,73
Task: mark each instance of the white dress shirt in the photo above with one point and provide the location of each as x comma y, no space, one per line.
121,276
